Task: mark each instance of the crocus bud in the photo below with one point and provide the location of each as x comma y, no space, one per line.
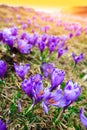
3,68
57,77
83,118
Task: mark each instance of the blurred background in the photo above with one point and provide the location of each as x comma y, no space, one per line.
71,6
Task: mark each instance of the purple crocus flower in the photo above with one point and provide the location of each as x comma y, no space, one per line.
78,33
3,69
27,87
21,70
46,28
54,98
24,47
25,36
41,46
9,36
57,76
53,39
2,125
10,42
64,38
62,51
70,35
44,37
24,26
47,69
29,22
32,30
52,47
77,59
72,91
76,26
33,39
33,87
83,118
34,17
14,31
6,33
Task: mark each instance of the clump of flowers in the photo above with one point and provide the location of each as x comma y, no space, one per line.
52,95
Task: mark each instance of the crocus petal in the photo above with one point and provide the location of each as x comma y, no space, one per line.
45,107
2,125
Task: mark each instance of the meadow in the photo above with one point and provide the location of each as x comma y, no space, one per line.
43,70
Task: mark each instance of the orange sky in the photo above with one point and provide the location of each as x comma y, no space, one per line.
46,3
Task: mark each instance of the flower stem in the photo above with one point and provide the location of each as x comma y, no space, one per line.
30,108
60,115
74,65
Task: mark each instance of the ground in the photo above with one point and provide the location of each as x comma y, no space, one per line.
10,90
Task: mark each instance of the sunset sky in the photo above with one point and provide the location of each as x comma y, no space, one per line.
46,3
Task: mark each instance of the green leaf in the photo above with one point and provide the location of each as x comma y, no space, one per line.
81,76
2,82
7,47
12,108
32,53
16,96
63,85
72,64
